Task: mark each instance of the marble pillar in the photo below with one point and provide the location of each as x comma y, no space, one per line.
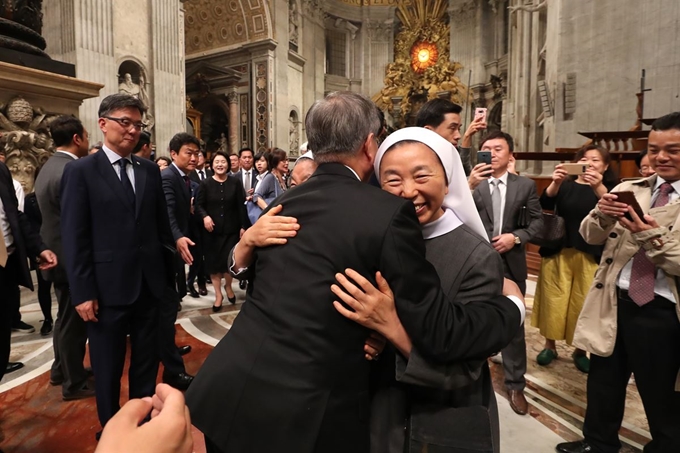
232,99
167,64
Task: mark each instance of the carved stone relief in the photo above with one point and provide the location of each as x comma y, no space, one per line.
293,22
24,140
262,105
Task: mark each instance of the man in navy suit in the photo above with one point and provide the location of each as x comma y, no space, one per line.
116,234
184,149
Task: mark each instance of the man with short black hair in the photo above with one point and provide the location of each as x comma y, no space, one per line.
443,117
184,149
70,332
115,233
247,174
234,165
143,149
511,213
629,321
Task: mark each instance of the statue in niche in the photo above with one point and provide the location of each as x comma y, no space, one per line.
223,143
293,22
24,140
293,136
127,86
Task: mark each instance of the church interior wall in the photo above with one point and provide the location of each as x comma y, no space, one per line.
607,43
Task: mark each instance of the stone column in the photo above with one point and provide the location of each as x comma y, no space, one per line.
232,99
167,66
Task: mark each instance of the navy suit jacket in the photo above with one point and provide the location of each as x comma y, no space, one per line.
178,198
109,248
27,242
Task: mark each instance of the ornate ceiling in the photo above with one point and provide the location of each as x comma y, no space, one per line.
214,24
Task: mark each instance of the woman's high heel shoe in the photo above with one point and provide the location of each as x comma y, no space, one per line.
232,299
216,308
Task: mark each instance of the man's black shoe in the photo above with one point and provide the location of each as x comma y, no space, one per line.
13,366
580,446
242,284
46,328
184,350
192,291
22,327
180,381
85,392
202,290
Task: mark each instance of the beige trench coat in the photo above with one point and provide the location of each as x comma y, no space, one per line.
596,326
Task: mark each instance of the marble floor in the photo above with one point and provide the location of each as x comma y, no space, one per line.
34,419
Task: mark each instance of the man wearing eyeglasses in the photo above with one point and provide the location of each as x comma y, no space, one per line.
115,229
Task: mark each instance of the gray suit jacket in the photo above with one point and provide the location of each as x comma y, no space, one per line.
449,407
47,188
520,192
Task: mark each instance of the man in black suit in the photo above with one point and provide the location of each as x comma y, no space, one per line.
247,175
17,244
197,268
184,150
296,373
509,208
116,233
70,332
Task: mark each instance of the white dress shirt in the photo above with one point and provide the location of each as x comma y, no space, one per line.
21,196
503,187
661,287
114,158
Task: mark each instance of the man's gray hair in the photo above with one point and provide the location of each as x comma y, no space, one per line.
339,124
120,101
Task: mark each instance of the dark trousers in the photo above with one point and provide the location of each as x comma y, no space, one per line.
648,345
69,338
197,268
44,296
107,351
180,277
9,291
515,354
167,315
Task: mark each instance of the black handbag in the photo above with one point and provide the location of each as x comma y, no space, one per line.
553,232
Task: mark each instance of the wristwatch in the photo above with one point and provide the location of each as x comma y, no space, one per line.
518,241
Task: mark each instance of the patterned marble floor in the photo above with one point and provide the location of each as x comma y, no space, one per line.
34,419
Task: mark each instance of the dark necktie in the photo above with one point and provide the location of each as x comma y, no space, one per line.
643,275
125,181
247,182
201,175
187,182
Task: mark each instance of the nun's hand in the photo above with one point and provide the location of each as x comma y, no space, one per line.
479,173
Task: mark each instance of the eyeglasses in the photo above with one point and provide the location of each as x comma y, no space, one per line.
126,123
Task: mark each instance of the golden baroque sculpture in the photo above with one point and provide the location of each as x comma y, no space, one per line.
421,57
25,140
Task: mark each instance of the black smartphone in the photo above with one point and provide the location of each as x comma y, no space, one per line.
629,198
484,157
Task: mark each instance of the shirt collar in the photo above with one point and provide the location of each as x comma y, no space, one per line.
660,180
182,174
355,173
71,155
503,178
112,156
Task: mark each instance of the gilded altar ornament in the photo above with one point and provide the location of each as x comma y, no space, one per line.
421,58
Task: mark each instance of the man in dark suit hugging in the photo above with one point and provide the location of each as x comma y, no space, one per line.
509,208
